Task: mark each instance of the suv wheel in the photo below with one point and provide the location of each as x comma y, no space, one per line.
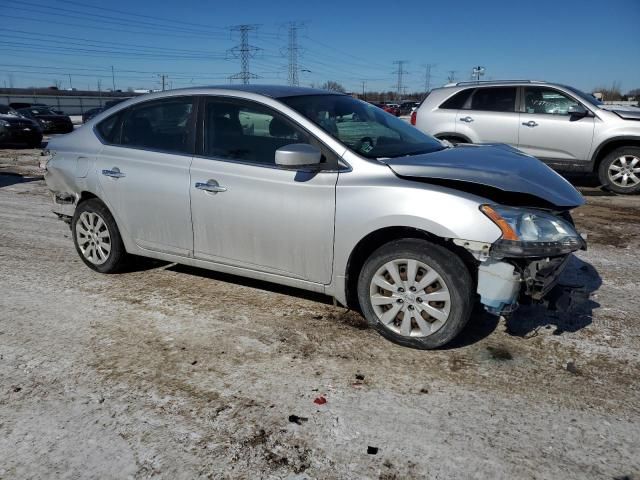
97,238
620,170
415,293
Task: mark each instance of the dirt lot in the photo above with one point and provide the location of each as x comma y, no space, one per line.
173,372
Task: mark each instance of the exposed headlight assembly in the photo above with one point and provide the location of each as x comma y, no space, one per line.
531,233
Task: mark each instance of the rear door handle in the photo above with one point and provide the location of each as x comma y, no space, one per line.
210,186
466,119
530,123
113,173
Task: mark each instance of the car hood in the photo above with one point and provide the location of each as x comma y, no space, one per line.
17,119
497,166
627,112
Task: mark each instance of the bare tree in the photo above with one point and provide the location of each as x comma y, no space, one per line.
610,93
333,86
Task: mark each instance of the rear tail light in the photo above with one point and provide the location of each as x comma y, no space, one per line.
414,114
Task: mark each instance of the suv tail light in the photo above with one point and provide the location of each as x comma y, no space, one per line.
414,114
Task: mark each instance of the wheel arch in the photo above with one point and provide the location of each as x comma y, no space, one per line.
375,239
610,145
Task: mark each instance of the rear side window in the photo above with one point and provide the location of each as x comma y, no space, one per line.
495,99
457,101
107,128
163,125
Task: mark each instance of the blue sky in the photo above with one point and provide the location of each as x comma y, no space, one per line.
582,43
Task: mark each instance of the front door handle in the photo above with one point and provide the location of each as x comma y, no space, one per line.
210,186
113,173
466,119
530,123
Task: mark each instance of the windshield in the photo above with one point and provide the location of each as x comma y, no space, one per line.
585,96
42,110
364,128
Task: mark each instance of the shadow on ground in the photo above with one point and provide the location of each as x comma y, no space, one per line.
569,313
8,179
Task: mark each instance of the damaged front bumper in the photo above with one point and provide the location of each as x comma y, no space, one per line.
504,283
501,283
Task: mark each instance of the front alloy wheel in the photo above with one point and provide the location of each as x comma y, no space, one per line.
410,298
415,293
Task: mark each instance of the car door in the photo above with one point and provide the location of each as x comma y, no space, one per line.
490,116
143,171
549,131
247,211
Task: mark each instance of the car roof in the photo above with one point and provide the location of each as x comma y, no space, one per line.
273,91
489,83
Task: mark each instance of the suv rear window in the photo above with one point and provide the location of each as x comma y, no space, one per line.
457,101
495,99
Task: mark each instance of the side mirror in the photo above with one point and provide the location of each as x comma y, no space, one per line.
577,111
298,155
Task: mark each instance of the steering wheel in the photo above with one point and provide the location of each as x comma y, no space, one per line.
365,145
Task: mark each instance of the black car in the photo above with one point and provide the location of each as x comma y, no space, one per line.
49,120
89,114
16,129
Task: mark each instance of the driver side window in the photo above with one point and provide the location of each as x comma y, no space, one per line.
547,101
246,132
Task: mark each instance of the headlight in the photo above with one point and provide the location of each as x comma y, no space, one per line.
531,233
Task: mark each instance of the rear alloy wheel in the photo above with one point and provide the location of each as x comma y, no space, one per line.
415,293
620,170
97,238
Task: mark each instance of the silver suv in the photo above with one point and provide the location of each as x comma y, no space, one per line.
318,191
560,125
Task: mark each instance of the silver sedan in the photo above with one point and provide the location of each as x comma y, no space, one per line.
319,191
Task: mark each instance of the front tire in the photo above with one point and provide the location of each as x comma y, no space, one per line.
416,293
97,238
619,171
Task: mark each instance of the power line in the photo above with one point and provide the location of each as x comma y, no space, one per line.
244,51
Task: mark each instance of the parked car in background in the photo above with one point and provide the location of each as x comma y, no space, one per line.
316,190
49,120
89,114
562,126
408,106
392,108
21,105
15,129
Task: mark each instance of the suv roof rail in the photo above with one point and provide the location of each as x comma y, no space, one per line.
484,82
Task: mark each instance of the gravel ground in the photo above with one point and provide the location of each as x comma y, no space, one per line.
174,372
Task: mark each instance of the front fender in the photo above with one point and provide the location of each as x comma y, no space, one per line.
364,206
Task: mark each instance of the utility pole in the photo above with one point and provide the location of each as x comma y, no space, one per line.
164,78
452,76
364,95
70,84
113,78
292,52
401,72
244,51
100,91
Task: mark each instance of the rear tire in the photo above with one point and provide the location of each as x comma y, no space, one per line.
97,238
430,300
454,140
619,171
